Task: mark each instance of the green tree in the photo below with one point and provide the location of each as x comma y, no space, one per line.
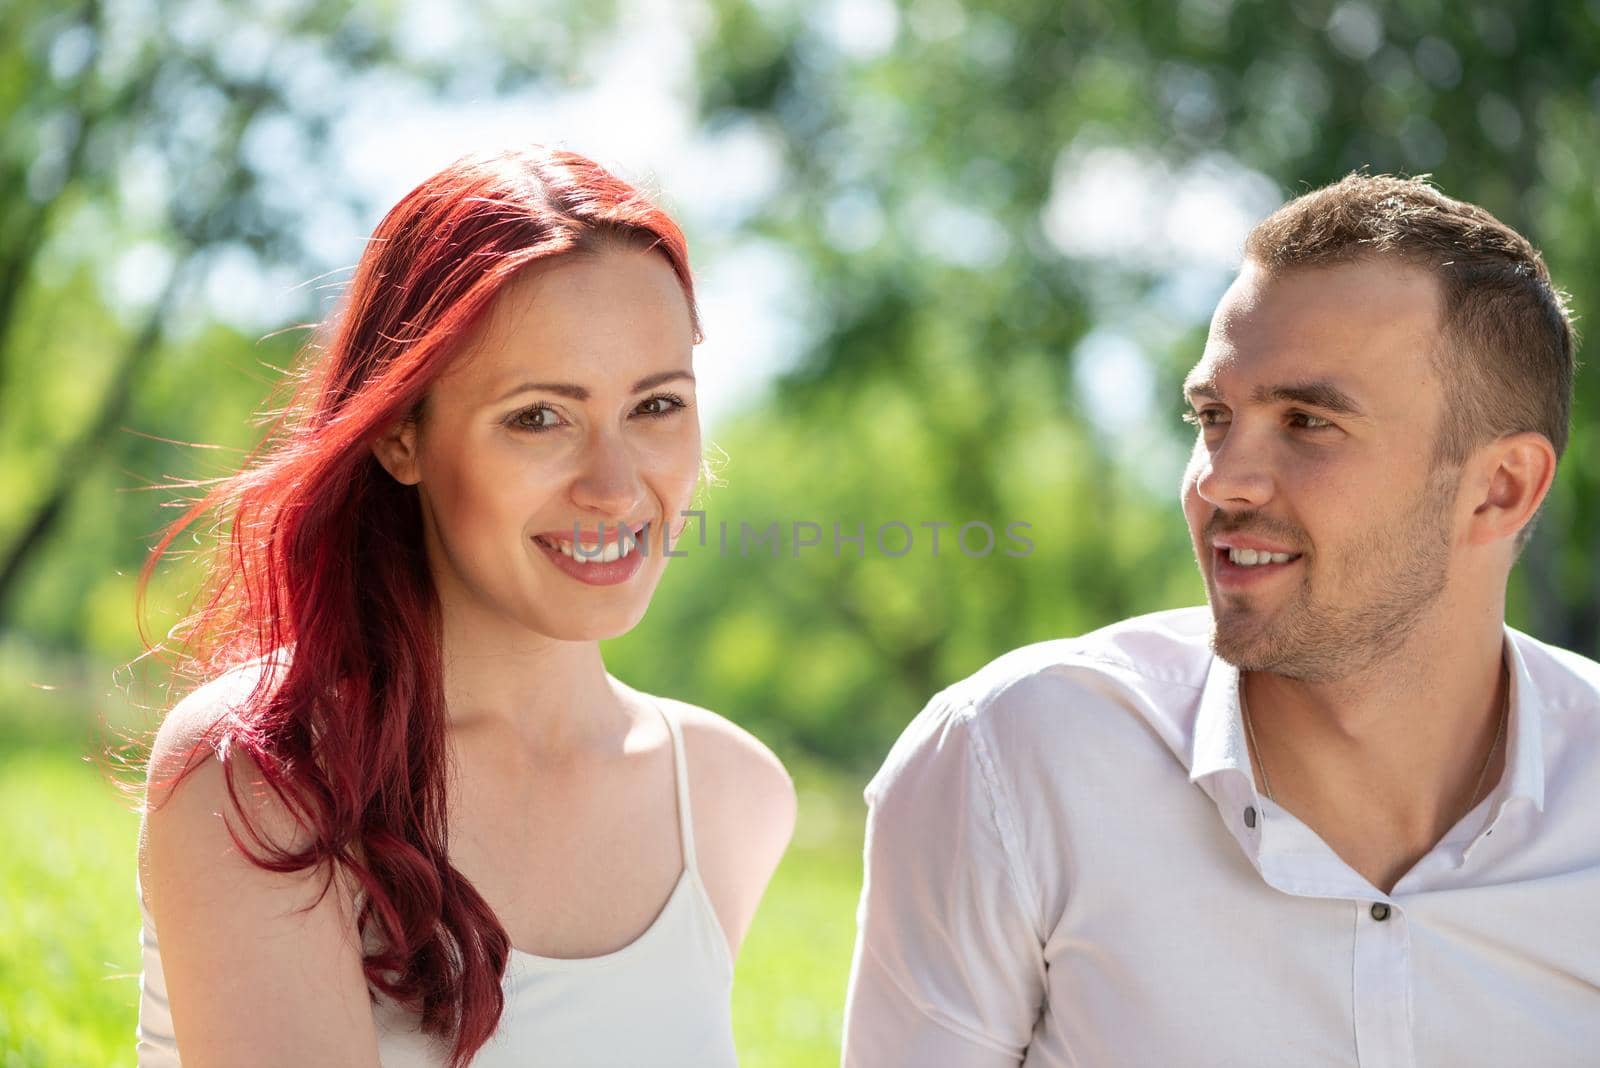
147,151
927,147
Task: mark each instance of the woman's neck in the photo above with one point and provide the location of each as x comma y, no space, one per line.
555,696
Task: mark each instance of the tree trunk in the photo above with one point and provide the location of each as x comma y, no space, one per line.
88,446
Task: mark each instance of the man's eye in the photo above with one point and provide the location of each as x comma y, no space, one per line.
538,417
1309,421
1204,417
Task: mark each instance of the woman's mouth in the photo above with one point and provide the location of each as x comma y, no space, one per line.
591,552
597,562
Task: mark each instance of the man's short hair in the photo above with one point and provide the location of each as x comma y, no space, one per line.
1506,348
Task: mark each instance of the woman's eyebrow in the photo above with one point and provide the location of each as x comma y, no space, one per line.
581,393
660,377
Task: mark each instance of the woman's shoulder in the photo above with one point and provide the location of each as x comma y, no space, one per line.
208,806
189,750
727,762
744,812
265,956
193,716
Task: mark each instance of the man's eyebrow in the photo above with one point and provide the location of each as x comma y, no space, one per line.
1314,394
1317,394
581,393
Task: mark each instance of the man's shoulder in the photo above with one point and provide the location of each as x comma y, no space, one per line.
1564,679
1170,648
1139,678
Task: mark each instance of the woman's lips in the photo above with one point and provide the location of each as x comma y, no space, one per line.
605,534
595,573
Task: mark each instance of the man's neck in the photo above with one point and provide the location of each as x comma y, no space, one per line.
1382,764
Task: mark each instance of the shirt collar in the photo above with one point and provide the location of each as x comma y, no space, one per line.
1219,743
1219,737
1525,732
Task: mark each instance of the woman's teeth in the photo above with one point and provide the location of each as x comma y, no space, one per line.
614,550
1254,557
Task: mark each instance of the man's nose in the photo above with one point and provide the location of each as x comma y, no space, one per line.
1233,473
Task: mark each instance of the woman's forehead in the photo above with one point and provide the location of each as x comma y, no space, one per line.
610,315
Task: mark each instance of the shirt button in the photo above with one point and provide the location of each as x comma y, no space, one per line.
1380,911
1250,816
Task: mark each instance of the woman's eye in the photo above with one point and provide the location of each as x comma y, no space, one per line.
539,417
660,404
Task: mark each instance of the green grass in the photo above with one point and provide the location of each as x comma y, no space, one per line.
788,991
69,931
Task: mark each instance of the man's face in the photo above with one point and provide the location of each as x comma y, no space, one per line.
1318,406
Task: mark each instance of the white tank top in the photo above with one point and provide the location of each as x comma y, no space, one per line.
663,999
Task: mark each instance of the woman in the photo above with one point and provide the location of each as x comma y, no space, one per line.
410,819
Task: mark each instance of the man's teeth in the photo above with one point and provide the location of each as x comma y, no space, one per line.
614,550
1253,557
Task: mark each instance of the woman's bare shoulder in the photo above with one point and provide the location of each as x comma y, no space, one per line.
223,694
728,762
194,794
254,960
744,813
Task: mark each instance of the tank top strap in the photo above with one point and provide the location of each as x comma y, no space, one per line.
680,767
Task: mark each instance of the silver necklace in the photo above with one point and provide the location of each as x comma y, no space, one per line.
1266,783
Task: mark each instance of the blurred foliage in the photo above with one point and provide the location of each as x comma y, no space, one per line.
938,190
153,159
923,146
834,645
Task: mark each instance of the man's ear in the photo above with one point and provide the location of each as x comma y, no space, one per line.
396,450
1516,472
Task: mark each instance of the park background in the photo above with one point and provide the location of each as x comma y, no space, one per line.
954,258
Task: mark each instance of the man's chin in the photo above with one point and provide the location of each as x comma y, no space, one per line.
1242,656
1262,646
1243,639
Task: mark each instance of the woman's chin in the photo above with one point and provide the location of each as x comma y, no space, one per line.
591,626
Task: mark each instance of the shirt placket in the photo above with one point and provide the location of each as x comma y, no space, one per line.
1382,986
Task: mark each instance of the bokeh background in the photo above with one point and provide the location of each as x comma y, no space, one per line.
955,259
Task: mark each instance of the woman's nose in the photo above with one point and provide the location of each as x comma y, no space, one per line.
608,482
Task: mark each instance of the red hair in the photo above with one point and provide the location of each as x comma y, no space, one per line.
323,555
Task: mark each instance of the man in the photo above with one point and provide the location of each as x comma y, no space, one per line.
1343,817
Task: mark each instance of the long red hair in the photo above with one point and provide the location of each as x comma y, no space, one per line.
322,554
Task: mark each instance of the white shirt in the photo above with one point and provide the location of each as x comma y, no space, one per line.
1068,864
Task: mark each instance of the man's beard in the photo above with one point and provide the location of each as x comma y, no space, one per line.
1392,576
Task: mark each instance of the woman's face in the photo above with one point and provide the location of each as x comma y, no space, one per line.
566,431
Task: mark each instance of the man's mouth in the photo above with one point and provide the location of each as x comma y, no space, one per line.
1240,561
1257,557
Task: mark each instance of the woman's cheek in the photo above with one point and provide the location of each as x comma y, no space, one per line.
678,493
676,464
